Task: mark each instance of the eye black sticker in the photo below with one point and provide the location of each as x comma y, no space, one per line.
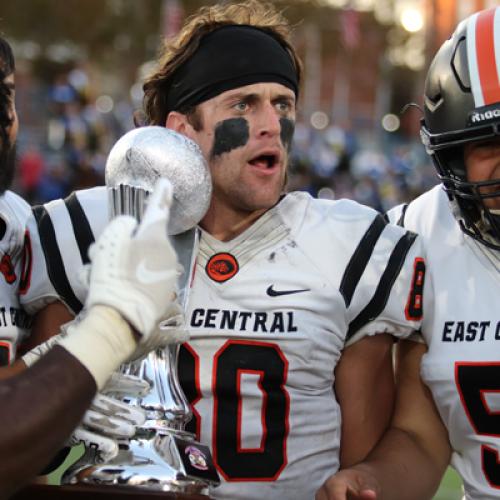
230,134
287,131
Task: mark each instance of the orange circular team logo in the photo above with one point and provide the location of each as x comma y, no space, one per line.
222,267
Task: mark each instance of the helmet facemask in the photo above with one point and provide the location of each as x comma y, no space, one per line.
475,218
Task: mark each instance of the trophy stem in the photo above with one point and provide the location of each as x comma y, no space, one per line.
166,405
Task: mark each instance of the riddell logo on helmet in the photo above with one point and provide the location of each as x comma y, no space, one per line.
490,114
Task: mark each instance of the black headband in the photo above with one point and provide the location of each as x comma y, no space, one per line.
228,58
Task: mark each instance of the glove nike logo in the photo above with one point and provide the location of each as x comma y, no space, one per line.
276,293
147,276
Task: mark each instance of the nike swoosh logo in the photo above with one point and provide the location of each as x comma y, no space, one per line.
144,275
276,293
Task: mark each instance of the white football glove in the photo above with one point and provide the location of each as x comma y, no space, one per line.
134,267
170,330
109,420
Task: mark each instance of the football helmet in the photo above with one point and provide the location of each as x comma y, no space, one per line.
461,105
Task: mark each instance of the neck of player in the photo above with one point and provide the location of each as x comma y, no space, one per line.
226,223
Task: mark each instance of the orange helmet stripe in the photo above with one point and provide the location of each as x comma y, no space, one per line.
485,46
483,51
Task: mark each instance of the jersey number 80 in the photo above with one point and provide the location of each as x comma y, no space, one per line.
232,361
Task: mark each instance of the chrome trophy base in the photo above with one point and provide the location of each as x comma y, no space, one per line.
156,459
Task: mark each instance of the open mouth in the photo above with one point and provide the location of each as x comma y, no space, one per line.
265,161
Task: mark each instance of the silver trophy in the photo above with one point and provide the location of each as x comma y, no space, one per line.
162,456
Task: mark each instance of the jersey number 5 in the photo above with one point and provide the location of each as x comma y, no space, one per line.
235,359
473,381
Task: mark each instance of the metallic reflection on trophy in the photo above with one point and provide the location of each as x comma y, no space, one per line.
162,455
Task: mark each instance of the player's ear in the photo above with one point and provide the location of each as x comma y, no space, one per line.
177,121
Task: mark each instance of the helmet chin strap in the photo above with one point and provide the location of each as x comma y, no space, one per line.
484,226
490,253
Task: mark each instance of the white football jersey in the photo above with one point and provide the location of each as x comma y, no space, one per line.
461,327
15,264
269,314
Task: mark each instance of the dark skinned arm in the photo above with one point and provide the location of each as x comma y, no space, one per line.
46,323
40,408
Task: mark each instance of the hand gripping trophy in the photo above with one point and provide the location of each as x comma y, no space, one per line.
161,456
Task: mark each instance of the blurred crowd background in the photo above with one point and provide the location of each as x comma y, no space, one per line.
80,64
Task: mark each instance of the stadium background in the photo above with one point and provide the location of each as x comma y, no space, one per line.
80,64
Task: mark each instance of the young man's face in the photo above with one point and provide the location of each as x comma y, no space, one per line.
246,135
482,160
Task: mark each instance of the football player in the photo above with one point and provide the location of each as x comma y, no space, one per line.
14,211
447,401
41,407
16,267
288,369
